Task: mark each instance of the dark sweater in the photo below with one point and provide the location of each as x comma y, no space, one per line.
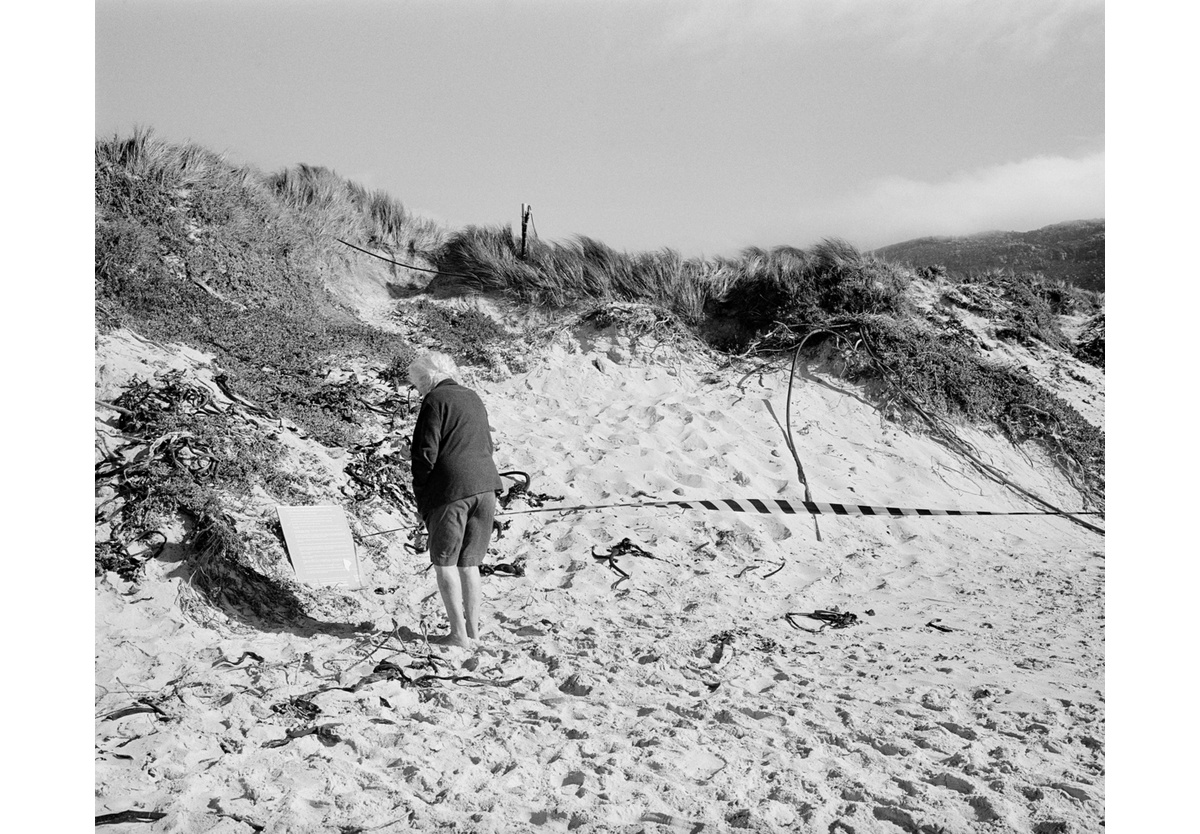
451,448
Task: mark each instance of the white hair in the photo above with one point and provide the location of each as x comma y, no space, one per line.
428,369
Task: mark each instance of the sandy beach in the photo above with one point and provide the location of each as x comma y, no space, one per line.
654,668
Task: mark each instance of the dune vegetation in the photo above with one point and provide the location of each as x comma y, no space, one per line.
192,248
252,268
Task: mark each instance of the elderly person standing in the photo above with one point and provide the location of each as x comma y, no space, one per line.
455,483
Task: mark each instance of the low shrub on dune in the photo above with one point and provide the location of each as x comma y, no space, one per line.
192,248
807,290
947,377
1090,347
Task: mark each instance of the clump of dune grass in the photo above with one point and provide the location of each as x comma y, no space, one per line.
487,259
169,215
194,249
756,288
339,208
799,291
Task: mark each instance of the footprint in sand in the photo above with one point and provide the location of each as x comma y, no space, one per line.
882,746
954,783
699,764
696,481
693,441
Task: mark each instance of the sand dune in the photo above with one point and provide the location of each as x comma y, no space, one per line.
968,696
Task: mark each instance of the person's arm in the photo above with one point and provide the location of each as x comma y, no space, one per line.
427,437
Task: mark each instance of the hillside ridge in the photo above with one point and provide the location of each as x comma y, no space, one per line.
1071,251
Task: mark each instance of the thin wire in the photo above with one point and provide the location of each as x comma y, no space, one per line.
397,263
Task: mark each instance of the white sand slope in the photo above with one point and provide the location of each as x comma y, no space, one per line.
678,698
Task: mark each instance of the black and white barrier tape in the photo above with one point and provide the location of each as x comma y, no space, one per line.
779,506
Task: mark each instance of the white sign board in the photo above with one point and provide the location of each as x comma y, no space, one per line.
320,545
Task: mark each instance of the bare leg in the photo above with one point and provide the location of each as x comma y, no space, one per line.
469,580
452,598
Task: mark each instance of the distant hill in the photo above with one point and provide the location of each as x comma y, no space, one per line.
1072,251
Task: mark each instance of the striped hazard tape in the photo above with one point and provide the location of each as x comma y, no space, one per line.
781,507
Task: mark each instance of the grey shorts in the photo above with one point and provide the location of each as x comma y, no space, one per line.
459,532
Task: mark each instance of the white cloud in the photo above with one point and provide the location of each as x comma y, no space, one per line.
1024,28
1016,196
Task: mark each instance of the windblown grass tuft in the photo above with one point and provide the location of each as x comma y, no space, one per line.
756,289
339,208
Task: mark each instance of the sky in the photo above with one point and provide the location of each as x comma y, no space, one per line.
701,126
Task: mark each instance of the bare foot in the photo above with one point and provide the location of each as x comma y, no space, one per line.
449,641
